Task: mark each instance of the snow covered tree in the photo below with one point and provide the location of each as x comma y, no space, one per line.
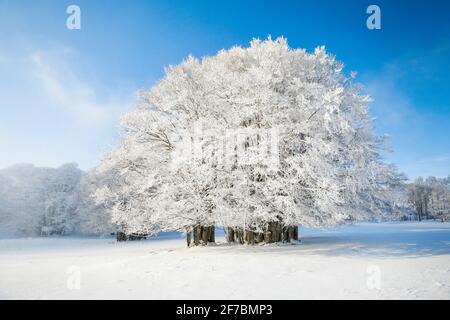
439,197
21,198
256,140
38,201
419,195
430,197
92,218
60,200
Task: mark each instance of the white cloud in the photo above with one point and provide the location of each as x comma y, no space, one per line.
52,112
389,102
435,159
70,93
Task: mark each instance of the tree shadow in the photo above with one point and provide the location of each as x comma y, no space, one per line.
404,244
373,242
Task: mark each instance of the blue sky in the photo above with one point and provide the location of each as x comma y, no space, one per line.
62,91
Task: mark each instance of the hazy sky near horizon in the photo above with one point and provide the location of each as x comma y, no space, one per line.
63,91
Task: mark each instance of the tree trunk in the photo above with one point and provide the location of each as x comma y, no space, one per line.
286,234
267,233
240,235
188,236
230,234
290,233
250,237
274,232
121,236
205,235
271,228
197,235
279,232
212,234
259,237
295,233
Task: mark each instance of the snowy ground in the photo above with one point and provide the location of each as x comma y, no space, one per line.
379,261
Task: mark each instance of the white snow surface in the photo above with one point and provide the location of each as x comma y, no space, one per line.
408,260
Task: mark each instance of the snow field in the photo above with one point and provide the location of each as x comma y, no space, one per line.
363,261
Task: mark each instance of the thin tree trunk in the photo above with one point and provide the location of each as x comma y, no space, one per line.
272,232
197,235
212,234
267,238
286,234
205,235
290,233
230,234
240,235
188,236
295,234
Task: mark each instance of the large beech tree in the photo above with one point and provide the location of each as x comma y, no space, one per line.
255,140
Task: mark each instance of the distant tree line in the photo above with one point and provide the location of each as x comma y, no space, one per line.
38,201
430,197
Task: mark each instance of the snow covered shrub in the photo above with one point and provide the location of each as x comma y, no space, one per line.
169,172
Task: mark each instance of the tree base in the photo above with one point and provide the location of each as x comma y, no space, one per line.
274,232
122,236
200,235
